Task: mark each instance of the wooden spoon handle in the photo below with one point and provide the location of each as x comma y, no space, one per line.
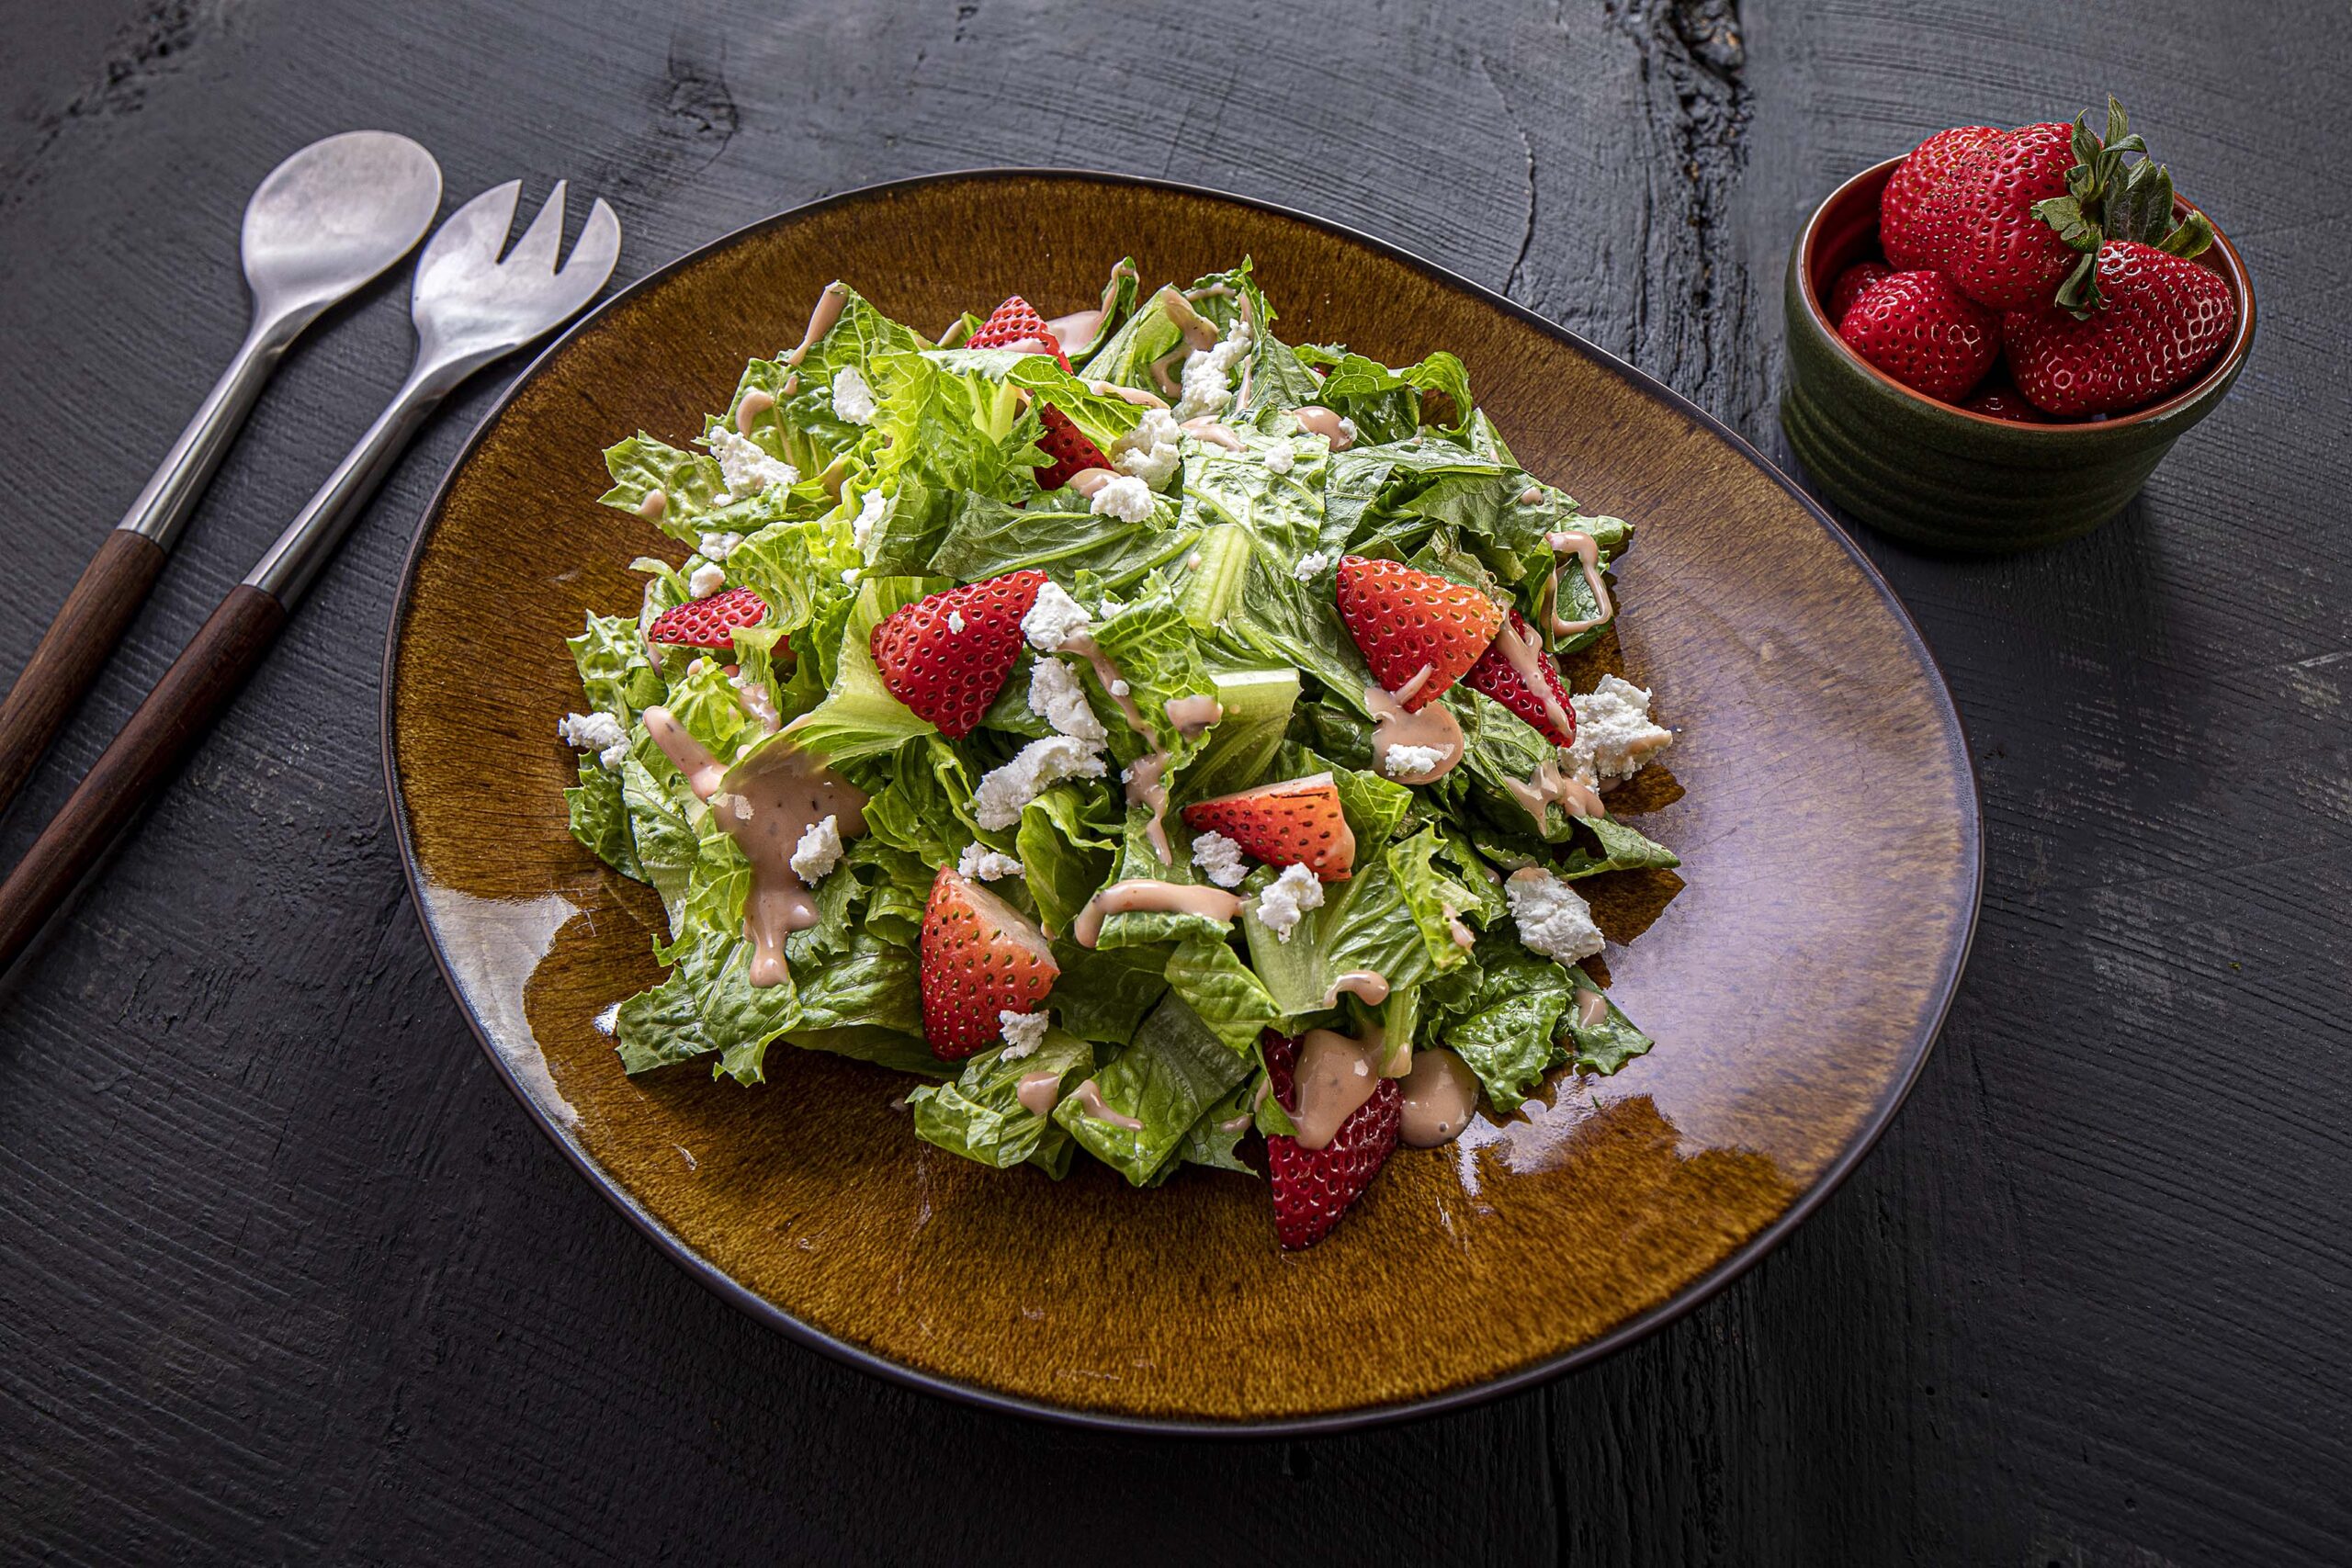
175,715
93,620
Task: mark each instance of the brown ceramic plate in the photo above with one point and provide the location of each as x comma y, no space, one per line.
1794,975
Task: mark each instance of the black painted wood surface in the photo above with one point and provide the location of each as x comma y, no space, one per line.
285,1276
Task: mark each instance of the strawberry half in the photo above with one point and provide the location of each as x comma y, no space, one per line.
1495,676
2163,319
1295,822
980,957
1925,333
1905,232
1405,622
708,623
1067,444
1313,1188
1016,324
1850,285
946,655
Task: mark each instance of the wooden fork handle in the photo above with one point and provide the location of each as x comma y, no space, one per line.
175,715
93,620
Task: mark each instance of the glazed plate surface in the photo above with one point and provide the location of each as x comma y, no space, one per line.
1793,974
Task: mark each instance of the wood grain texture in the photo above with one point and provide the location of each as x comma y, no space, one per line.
69,655
284,1277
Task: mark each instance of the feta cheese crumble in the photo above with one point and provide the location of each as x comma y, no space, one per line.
719,546
1126,498
1309,564
745,464
1023,1032
955,622
1149,451
1036,768
705,579
818,852
852,397
608,1021
982,864
1055,697
1054,619
1411,761
860,527
1120,689
1286,901
1208,373
1553,919
1615,735
1281,457
597,732
1219,859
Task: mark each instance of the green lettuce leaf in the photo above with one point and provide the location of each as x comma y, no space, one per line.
980,1116
1176,1069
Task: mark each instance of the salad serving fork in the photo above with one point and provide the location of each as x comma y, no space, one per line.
469,307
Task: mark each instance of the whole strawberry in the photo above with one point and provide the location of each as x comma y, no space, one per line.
1852,283
1903,229
1925,333
1980,225
2163,317
2005,402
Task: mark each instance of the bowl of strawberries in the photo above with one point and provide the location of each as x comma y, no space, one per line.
1994,339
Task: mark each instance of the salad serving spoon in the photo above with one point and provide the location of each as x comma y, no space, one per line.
324,223
469,307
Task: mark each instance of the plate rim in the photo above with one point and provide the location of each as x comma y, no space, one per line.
709,1275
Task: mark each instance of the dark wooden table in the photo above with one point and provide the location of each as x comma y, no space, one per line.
285,1275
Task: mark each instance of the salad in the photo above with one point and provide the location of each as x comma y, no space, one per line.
1146,729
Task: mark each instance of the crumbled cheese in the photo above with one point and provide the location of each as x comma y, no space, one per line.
1219,858
1023,1032
746,464
1411,761
1126,498
982,864
722,499
1053,618
705,579
719,546
850,575
818,852
1553,919
1614,733
1036,768
1149,451
853,399
1120,689
1208,373
1281,456
1348,432
1287,900
861,528
1055,697
955,622
608,1021
1309,564
590,731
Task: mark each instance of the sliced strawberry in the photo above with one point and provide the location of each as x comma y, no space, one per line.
708,623
1067,444
1295,822
1016,324
980,957
946,656
1496,676
1313,1188
1407,622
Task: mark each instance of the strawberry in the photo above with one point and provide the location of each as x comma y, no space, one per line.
2162,319
1852,283
980,957
1925,333
1313,1188
1980,223
1295,822
1500,679
708,623
2004,401
1067,444
1416,632
1903,229
946,655
1016,324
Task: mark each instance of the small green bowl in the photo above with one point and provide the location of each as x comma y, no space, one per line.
1938,475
